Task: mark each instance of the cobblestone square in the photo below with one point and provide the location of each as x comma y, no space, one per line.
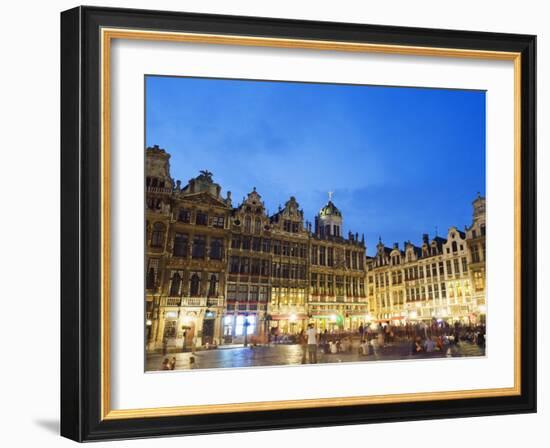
292,354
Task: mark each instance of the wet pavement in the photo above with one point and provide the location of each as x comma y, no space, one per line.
276,355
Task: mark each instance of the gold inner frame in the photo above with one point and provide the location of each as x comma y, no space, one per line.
107,35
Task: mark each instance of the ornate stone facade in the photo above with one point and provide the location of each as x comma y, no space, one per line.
444,278
215,272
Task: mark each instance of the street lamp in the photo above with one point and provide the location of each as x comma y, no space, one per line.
245,326
267,320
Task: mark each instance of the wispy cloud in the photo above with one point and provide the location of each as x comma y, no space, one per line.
401,161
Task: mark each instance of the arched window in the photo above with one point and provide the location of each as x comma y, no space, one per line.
212,289
195,285
175,286
247,224
482,228
257,226
157,239
150,280
455,248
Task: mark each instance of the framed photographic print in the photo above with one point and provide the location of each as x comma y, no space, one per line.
274,223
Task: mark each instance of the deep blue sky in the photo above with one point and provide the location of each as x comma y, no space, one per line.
400,161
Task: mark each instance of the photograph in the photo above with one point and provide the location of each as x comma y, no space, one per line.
295,223
274,222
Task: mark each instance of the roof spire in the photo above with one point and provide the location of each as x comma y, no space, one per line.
330,194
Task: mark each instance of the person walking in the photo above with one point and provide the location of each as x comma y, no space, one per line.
312,344
302,339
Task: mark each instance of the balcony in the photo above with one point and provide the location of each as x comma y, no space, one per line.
171,301
214,301
185,301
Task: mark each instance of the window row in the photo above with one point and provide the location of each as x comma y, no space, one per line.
433,270
196,285
394,260
288,296
200,218
291,226
323,284
250,228
266,245
245,265
154,182
247,293
197,248
422,293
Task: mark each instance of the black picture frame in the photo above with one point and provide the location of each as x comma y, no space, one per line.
81,224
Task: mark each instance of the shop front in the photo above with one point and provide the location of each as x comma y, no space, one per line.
240,328
333,322
288,324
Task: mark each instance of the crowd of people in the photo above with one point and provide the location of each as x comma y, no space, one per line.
438,336
422,338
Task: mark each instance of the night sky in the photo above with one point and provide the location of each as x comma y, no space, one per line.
401,161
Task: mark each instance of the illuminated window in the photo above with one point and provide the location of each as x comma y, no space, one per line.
479,283
240,325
